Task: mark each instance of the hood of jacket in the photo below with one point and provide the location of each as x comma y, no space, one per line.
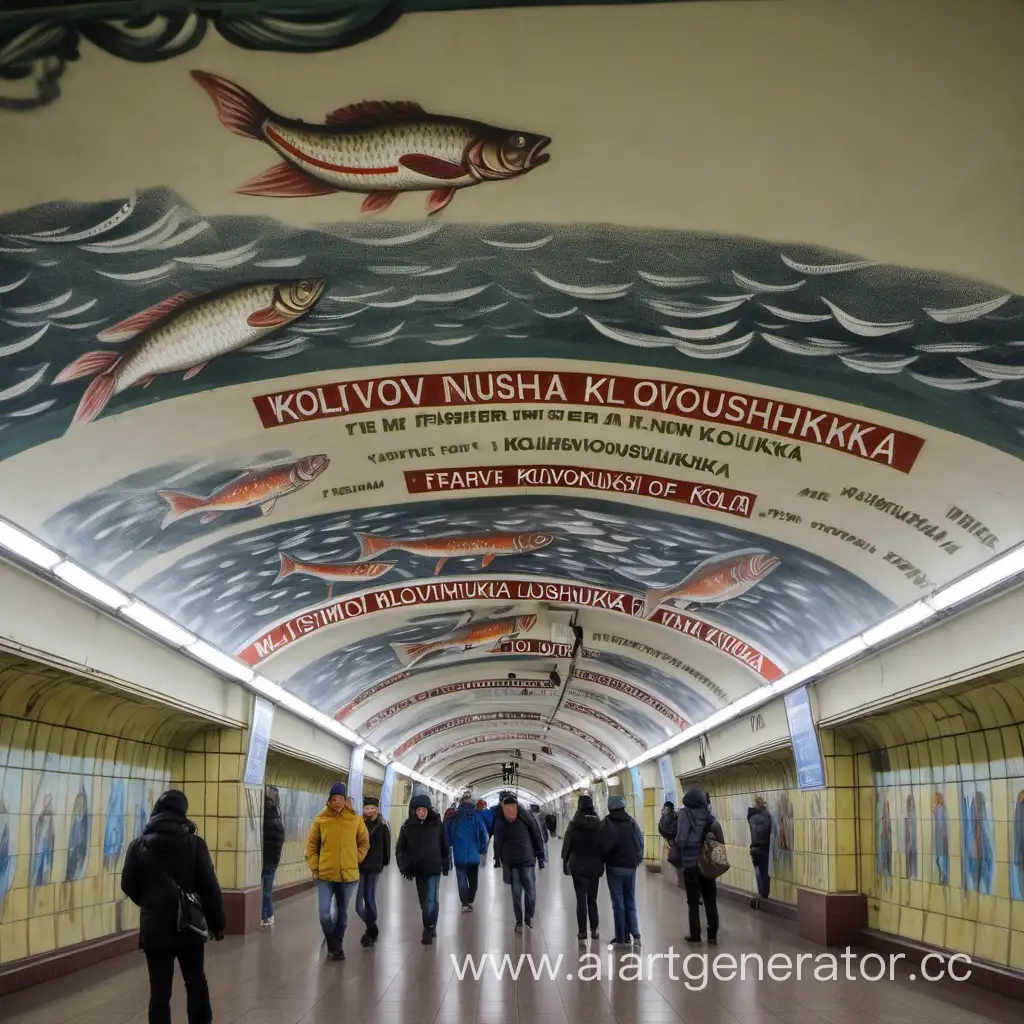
169,823
618,814
696,799
422,800
588,821
466,811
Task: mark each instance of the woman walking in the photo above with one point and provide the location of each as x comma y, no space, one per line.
423,855
583,859
167,860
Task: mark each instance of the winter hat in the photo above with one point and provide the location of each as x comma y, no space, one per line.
616,803
420,800
510,799
466,798
338,789
671,806
370,801
172,800
585,804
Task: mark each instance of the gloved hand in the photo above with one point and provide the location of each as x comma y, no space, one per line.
540,863
218,936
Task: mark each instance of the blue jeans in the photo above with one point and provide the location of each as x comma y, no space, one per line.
268,891
366,899
622,889
426,889
467,875
524,892
342,892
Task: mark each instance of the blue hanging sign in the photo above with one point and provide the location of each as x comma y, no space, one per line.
810,767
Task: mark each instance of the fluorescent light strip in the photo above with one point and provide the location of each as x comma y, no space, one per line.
92,586
159,625
23,546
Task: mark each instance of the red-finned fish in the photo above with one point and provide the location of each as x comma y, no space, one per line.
378,148
486,546
260,487
719,578
186,332
333,572
473,634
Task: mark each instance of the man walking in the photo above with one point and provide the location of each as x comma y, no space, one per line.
760,822
696,822
376,860
623,843
273,843
518,846
423,856
468,839
335,847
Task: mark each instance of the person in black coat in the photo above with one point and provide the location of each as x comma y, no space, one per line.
169,856
273,844
518,845
583,859
376,860
623,845
423,855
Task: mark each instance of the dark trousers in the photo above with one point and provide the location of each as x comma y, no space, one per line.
700,888
586,901
426,890
161,980
759,856
467,875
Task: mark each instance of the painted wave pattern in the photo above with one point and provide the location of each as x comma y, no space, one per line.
923,345
229,591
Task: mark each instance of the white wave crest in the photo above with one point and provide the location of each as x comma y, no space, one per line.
20,346
1013,403
459,296
663,281
962,347
221,260
962,314
866,328
445,342
360,297
699,334
284,261
4,288
758,286
558,316
404,268
129,243
719,350
691,310
370,340
994,371
41,307
953,383
826,268
23,387
593,291
414,236
140,275
519,246
799,318
868,365
796,347
634,338
33,410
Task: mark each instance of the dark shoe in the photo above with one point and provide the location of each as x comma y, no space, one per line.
519,926
365,940
426,938
636,940
620,943
529,923
691,938
339,953
595,934
753,903
582,936
713,940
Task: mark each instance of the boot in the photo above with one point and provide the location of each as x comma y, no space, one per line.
428,936
373,932
366,940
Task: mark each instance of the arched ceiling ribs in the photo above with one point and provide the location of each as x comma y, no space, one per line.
530,742
456,769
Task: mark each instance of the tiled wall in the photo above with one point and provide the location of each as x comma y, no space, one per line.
79,771
800,825
941,805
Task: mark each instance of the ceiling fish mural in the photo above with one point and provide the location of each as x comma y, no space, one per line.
253,489
333,572
467,636
489,546
381,149
718,578
185,333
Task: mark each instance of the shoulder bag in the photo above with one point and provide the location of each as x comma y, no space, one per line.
191,917
714,858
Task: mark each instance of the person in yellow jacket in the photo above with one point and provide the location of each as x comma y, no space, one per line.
336,845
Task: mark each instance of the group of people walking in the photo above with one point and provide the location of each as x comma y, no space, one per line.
169,874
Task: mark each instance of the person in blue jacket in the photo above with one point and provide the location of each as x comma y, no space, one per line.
468,838
486,815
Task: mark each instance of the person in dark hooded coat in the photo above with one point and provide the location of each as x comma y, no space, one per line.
423,855
169,856
273,844
583,858
695,822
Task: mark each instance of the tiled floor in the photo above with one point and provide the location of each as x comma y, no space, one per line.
282,977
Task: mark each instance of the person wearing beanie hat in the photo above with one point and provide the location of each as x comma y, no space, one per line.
273,844
583,860
696,822
423,855
669,821
335,847
468,839
169,854
623,844
376,860
518,846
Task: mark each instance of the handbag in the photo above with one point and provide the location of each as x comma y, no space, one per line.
675,856
191,916
714,857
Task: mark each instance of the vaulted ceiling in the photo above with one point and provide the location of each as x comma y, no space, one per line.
386,402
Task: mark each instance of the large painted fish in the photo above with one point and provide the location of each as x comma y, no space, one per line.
333,572
186,332
716,579
378,148
486,546
472,634
253,488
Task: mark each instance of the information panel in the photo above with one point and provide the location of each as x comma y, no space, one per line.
810,768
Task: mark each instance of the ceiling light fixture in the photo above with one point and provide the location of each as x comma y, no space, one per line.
217,659
91,586
20,544
157,624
